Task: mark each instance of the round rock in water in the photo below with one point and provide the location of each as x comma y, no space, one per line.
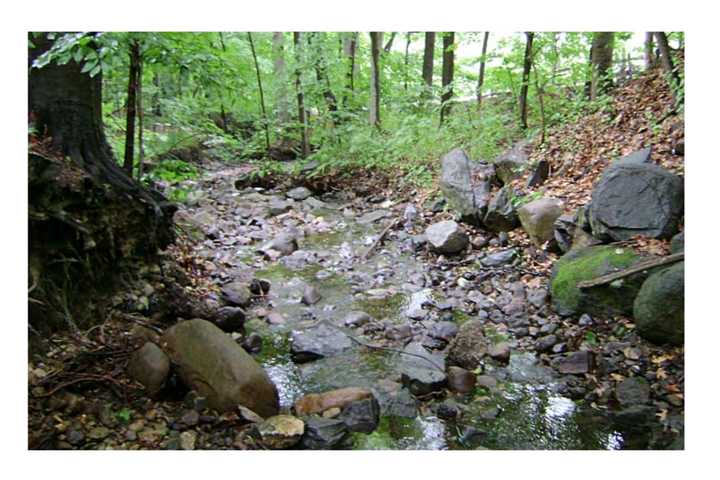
446,237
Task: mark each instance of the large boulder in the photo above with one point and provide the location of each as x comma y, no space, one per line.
635,198
446,237
587,264
659,308
512,163
538,218
210,362
466,185
501,215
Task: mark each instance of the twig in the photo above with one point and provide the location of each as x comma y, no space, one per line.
379,239
638,267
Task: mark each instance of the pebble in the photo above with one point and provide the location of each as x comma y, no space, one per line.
187,440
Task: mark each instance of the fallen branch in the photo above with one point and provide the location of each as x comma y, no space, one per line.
379,239
638,267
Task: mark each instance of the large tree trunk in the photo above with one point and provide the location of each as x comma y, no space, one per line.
481,75
131,106
428,58
86,215
527,64
375,43
448,72
601,56
667,63
302,120
281,101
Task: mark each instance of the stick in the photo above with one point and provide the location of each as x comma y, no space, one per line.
639,267
379,239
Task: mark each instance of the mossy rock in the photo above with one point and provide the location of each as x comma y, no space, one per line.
660,306
589,263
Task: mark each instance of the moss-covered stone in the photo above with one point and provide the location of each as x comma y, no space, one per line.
589,263
659,308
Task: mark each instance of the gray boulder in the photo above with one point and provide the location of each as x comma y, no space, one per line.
512,163
237,293
538,218
323,433
634,198
422,372
446,237
211,363
464,195
150,366
501,215
638,157
361,415
317,342
299,193
659,308
500,258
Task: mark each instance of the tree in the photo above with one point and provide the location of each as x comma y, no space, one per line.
260,90
133,76
527,64
349,46
448,72
428,58
375,43
667,63
408,39
481,75
321,75
281,100
649,51
302,116
389,44
601,56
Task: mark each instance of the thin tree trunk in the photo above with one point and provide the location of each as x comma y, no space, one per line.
541,99
157,110
448,72
297,42
667,63
141,116
260,89
223,112
282,106
375,42
527,63
349,47
428,58
649,51
131,105
481,75
389,43
601,55
407,60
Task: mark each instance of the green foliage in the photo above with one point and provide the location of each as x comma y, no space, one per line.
173,171
124,415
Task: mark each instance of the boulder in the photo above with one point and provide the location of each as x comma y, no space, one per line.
461,380
463,195
150,366
446,237
564,231
501,215
660,305
577,265
323,433
211,363
512,163
299,193
361,415
317,342
469,346
236,293
422,372
634,198
538,218
230,319
320,402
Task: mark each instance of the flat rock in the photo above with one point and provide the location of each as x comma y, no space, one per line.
422,372
317,342
461,380
498,259
372,217
575,363
633,391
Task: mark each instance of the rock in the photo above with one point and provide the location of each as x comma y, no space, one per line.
284,244
498,259
486,381
538,218
150,366
575,363
187,440
512,163
469,346
275,318
278,207
320,402
456,182
564,232
195,401
281,431
248,416
460,380
677,243
311,295
395,400
546,343
500,352
317,342
75,437
144,334
418,300
422,372
443,330
98,433
410,215
299,193
446,237
190,418
447,411
230,319
253,343
589,263
323,433
399,332
211,363
632,391
237,293
634,418
372,217
585,320
638,157
361,415
501,215
357,319
660,305
540,174
331,413
537,297
636,199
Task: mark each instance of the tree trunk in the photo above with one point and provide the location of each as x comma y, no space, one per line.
428,58
667,63
322,78
448,72
407,60
281,101
389,44
649,51
481,75
157,110
375,42
131,105
349,47
541,99
141,116
527,63
601,56
260,89
297,42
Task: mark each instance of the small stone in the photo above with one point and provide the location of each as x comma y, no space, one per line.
461,380
500,351
190,418
237,293
299,193
585,320
281,431
559,347
633,391
357,319
500,258
275,318
253,343
361,415
187,440
486,381
546,343
98,433
75,437
575,363
311,295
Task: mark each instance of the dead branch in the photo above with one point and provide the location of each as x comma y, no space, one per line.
637,268
380,238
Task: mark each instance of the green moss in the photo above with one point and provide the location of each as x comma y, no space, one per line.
587,264
378,309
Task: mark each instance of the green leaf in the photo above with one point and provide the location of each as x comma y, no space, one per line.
88,66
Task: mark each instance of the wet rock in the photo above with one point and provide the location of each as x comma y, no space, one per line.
422,372
395,400
211,363
187,440
677,243
284,244
523,367
281,431
357,319
446,237
361,415
501,215
546,343
372,217
633,391
444,330
418,300
633,418
278,207
447,411
317,342
320,402
461,380
237,293
253,343
469,346
636,199
323,433
486,381
538,218
659,308
500,352
259,286
230,319
150,366
299,193
575,363
500,258
311,295
275,318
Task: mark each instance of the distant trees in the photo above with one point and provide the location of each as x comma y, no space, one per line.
649,51
448,73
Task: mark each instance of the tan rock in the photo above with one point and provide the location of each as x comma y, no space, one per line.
320,402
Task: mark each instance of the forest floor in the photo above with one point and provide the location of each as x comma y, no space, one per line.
80,396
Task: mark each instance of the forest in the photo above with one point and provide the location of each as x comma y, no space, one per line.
320,240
